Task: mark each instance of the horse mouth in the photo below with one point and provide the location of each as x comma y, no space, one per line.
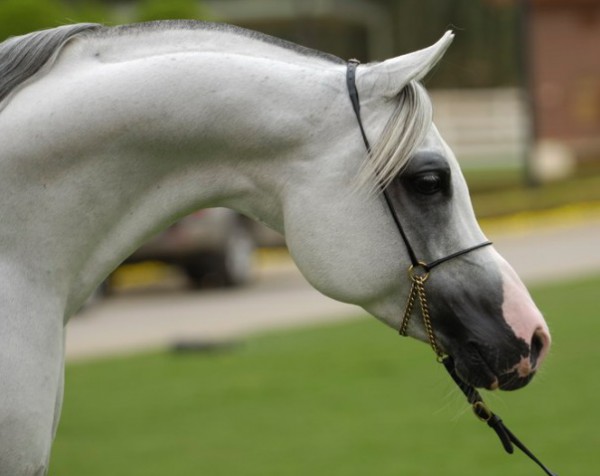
473,368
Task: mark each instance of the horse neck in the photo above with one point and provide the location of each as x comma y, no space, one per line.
129,146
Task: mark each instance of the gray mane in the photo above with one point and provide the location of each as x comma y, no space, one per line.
162,25
23,56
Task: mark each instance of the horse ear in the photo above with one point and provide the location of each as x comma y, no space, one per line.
390,77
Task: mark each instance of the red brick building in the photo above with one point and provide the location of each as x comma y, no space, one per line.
564,73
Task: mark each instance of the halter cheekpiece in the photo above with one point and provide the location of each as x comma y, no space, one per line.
418,273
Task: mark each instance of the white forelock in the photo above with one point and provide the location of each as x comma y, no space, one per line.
404,132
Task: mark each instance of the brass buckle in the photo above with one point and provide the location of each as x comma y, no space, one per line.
482,411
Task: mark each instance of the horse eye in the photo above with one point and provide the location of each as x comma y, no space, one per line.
428,183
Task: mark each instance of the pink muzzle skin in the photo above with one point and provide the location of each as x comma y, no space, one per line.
525,319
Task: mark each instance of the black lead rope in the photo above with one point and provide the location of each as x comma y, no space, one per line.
482,411
417,293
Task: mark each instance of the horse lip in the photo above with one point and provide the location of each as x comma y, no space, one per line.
506,381
477,372
513,381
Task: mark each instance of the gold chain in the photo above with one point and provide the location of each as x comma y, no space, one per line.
418,289
408,309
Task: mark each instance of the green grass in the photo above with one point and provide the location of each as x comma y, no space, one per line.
497,192
487,179
349,399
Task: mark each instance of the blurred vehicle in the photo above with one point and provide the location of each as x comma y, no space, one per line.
212,246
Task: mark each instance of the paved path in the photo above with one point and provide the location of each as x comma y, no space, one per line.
140,320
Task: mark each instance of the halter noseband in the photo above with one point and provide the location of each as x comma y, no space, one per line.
419,273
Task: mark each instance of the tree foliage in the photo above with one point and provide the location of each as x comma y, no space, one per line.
170,10
487,45
485,52
18,17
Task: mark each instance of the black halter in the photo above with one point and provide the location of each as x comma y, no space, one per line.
417,292
350,78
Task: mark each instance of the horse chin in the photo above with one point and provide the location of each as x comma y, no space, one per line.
512,380
473,368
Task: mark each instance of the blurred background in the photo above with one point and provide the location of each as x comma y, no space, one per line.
517,97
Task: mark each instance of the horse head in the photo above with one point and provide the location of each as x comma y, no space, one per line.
481,313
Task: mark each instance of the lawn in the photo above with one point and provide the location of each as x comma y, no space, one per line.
347,399
500,192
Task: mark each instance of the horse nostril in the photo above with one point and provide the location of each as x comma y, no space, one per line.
538,342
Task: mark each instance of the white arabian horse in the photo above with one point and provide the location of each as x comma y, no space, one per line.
109,135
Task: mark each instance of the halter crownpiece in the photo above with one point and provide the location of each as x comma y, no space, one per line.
419,273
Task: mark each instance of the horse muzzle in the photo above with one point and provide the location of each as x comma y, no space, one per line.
509,367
